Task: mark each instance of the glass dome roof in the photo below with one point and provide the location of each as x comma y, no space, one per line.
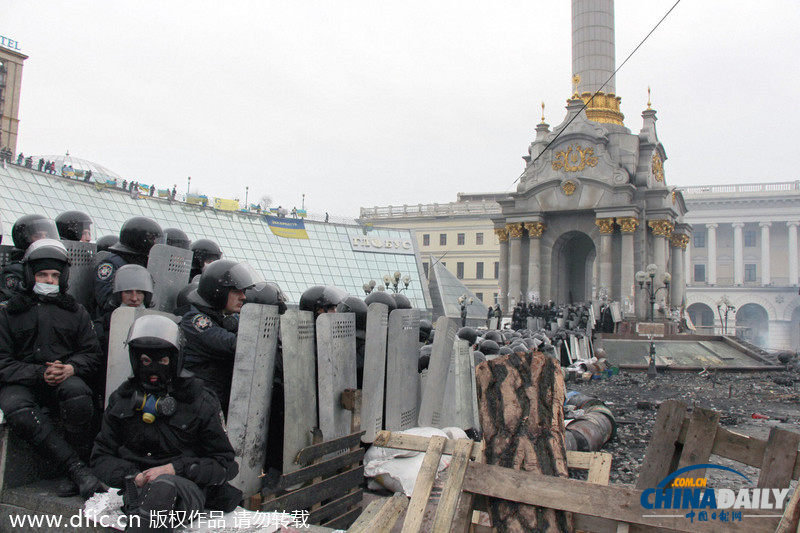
79,164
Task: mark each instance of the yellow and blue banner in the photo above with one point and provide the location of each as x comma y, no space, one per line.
223,204
291,228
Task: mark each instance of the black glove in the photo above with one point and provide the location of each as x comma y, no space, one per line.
231,323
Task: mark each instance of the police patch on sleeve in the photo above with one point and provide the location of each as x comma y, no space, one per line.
11,283
201,322
105,271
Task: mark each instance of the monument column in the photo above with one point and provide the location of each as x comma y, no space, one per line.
792,252
688,271
515,262
535,230
662,230
738,254
502,236
606,226
766,276
628,225
712,254
678,286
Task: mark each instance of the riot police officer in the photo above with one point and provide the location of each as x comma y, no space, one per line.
211,325
204,251
105,242
321,299
162,438
74,226
26,230
136,237
48,355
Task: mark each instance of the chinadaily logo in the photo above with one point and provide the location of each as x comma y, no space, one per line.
694,500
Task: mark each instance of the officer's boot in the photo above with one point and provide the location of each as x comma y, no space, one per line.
86,481
155,511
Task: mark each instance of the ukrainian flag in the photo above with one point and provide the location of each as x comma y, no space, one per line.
224,204
291,228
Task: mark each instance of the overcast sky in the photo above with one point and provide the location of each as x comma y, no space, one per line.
363,103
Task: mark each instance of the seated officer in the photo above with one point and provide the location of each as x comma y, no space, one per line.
26,230
162,438
211,325
48,355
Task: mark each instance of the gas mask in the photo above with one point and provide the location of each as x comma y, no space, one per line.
152,405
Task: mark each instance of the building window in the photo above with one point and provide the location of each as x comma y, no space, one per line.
462,238
479,296
700,239
497,270
494,298
443,239
426,239
479,270
750,238
750,272
479,238
425,268
700,273
460,270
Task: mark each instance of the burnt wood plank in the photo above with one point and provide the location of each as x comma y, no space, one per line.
315,451
320,469
335,507
324,490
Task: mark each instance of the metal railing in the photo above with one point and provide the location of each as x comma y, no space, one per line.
435,209
749,188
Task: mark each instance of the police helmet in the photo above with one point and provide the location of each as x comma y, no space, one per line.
424,357
46,254
489,347
505,350
425,328
75,226
156,336
478,357
105,242
138,235
133,278
30,228
493,335
321,298
218,279
402,300
381,297
354,304
468,334
176,237
267,293
204,250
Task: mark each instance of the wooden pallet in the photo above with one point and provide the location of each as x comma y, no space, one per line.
455,509
328,485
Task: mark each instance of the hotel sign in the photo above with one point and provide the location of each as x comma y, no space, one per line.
5,42
381,245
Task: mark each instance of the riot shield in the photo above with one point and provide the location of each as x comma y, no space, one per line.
300,393
5,254
81,270
430,411
576,348
170,267
374,370
402,370
336,371
251,393
460,400
119,364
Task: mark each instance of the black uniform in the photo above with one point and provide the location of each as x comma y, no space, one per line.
193,440
35,330
210,349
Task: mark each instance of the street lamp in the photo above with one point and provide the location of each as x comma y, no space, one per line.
646,280
188,185
463,301
723,308
246,194
395,283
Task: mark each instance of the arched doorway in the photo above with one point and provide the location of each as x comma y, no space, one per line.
702,317
573,258
752,324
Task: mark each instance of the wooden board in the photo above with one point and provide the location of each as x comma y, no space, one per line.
423,484
699,441
380,515
779,458
661,450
